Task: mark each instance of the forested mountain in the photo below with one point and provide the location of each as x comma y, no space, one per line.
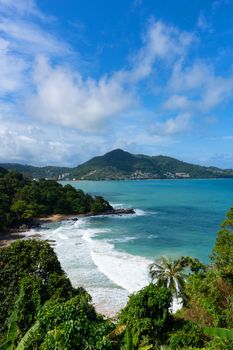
119,164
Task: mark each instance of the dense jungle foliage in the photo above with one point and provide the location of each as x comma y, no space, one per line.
22,200
39,308
35,292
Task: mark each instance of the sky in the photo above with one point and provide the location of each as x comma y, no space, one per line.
80,78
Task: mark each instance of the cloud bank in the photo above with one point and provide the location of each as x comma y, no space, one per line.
43,94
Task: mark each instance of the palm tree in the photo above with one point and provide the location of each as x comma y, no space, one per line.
169,273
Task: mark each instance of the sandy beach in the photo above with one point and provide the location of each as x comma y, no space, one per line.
57,218
7,238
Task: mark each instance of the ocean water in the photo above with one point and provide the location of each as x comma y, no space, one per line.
109,255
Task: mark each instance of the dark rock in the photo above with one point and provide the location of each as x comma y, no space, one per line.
124,211
113,211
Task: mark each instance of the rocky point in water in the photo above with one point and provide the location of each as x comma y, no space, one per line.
120,211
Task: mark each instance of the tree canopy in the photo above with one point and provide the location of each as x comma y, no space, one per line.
22,200
35,288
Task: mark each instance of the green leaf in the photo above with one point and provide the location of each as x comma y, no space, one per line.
147,347
29,337
12,328
7,345
222,333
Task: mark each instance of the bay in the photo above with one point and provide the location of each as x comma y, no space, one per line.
109,255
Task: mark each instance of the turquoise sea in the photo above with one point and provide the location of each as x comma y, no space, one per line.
109,255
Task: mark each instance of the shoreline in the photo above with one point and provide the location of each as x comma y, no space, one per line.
102,306
7,239
11,236
148,179
63,217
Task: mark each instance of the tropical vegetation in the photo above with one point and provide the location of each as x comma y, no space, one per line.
22,200
39,308
171,273
37,296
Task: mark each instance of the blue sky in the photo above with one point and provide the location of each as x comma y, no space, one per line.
80,78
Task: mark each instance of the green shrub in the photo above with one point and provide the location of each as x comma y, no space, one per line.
147,315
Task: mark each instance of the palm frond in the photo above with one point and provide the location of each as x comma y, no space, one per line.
169,273
29,337
12,331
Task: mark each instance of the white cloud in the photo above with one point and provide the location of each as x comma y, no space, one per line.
60,94
173,126
64,97
161,42
29,38
31,143
217,91
177,102
201,85
21,7
12,69
188,78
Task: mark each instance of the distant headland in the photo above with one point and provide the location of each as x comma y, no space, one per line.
121,165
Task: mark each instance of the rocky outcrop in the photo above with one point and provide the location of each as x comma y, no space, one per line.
121,211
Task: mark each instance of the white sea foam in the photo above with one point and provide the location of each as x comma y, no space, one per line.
127,271
137,212
140,212
62,236
109,301
122,240
152,236
76,247
75,256
91,260
118,205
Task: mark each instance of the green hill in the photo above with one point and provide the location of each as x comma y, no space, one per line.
119,164
51,172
